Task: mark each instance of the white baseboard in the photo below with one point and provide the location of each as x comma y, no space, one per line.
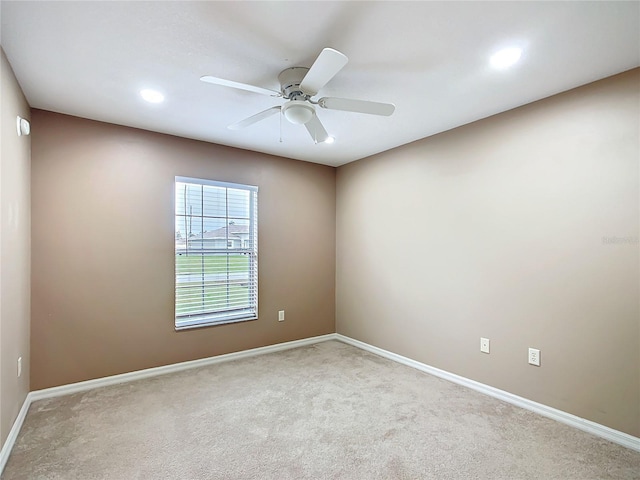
138,375
13,433
607,433
175,367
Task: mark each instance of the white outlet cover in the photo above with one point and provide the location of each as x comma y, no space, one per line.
534,357
484,345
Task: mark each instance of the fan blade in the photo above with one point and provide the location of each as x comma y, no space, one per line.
328,63
254,118
359,106
241,86
316,130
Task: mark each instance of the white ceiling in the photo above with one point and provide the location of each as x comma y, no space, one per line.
431,59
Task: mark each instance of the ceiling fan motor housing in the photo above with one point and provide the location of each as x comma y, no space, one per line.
297,110
290,80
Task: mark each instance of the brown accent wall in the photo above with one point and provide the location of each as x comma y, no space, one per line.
14,249
522,228
103,252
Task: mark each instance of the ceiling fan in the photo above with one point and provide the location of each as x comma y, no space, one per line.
298,85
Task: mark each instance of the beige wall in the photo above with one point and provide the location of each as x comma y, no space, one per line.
103,230
14,250
496,229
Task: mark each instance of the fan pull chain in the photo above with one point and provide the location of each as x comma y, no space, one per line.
280,127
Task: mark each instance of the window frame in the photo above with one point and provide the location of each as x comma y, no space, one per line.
220,316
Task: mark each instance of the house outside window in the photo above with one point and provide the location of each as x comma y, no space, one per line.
216,252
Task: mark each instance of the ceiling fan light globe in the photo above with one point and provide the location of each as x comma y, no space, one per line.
298,112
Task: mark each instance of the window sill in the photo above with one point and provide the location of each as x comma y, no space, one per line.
209,322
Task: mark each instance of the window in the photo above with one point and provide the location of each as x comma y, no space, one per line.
216,247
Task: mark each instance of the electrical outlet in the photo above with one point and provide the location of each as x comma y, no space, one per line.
281,316
534,357
19,366
484,345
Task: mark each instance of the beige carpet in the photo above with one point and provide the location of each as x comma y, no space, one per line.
329,411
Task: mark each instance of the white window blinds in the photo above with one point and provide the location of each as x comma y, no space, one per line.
216,252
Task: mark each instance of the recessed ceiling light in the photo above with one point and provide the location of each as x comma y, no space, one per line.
152,96
505,58
330,140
